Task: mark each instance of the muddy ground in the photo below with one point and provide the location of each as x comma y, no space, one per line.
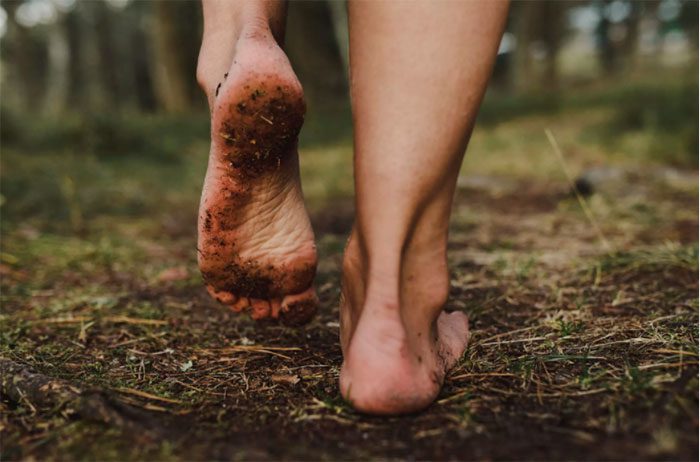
584,346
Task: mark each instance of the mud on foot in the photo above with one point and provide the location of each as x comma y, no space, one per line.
255,244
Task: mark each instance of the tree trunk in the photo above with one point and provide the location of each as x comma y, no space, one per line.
552,32
170,81
89,87
314,52
25,60
522,75
58,81
606,48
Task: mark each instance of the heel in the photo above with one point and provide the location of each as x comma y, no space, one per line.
259,131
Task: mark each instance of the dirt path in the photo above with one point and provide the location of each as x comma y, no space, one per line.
578,352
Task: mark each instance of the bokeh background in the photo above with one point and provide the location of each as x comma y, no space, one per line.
584,308
102,117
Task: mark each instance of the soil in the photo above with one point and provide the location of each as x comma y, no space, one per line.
578,352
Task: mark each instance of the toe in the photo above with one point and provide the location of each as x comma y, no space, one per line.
275,307
299,308
260,308
227,298
241,304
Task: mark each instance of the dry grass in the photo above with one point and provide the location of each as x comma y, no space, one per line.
575,350
578,351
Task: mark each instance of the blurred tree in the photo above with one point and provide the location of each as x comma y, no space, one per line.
169,69
606,50
24,59
313,49
137,41
618,32
521,16
539,28
56,97
106,54
115,60
690,20
552,28
88,87
630,42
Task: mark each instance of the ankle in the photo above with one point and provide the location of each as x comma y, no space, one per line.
417,284
222,41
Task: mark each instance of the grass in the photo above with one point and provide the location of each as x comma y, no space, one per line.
575,349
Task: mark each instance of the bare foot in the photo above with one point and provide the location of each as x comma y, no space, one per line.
256,246
397,341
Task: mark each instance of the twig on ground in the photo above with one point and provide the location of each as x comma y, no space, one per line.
579,197
143,394
20,384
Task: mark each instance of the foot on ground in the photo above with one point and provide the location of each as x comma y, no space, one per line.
255,243
397,342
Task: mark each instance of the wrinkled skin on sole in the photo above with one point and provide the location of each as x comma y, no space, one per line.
256,248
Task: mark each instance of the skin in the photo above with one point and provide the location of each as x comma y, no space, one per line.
419,70
255,245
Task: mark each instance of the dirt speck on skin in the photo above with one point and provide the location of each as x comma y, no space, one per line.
299,313
207,221
262,130
249,279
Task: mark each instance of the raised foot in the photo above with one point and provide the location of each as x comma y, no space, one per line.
390,371
255,243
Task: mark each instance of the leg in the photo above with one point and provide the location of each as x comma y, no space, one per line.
419,71
255,243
